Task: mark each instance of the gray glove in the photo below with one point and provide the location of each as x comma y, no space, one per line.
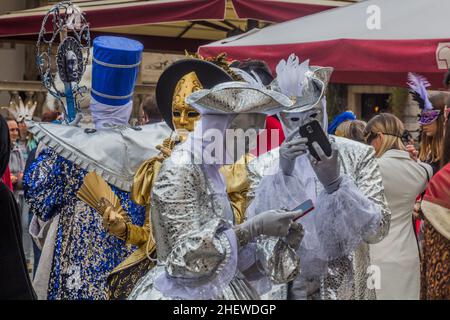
328,169
274,223
290,149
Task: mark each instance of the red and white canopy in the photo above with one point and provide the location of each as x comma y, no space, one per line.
157,23
412,35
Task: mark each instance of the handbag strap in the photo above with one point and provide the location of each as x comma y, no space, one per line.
428,178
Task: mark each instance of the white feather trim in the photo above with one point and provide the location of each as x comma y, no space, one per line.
291,75
252,79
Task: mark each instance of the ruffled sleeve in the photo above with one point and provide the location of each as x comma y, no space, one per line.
357,212
342,220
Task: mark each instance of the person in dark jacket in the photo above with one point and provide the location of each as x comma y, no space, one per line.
14,278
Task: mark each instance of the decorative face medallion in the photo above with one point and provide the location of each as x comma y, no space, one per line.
70,60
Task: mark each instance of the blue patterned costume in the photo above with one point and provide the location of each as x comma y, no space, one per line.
84,252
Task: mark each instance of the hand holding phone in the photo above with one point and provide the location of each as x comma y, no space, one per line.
305,208
314,133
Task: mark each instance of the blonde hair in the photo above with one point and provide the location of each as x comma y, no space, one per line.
342,129
353,130
392,129
431,147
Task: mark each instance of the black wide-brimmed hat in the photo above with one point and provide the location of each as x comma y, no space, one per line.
208,73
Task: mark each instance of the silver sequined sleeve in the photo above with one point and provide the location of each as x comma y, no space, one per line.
187,225
279,262
369,182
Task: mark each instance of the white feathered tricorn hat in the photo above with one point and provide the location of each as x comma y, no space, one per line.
305,84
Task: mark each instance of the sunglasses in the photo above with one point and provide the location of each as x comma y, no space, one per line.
370,136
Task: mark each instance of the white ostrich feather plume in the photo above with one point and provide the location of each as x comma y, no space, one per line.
291,75
253,79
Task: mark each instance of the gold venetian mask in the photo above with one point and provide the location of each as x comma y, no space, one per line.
184,116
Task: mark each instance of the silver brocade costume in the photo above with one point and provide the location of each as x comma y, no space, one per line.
197,251
346,277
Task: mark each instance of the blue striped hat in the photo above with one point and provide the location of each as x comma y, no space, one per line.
115,68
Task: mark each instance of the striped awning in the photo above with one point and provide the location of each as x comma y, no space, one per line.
360,53
157,22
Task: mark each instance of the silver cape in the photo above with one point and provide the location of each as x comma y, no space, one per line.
114,153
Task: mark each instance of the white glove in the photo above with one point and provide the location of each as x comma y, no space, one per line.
328,169
274,223
290,149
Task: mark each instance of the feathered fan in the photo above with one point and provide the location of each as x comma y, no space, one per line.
291,74
418,85
96,193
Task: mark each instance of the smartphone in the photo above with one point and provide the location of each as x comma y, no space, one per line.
314,132
306,207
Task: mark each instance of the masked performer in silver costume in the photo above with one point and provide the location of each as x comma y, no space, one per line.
350,207
201,253
175,84
78,251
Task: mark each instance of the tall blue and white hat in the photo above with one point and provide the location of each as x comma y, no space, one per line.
116,62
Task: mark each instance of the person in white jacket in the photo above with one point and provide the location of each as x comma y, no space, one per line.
397,255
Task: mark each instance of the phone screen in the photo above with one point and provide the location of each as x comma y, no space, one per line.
306,207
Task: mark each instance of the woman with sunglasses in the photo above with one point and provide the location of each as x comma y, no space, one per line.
397,255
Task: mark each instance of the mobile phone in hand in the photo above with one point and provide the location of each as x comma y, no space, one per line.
314,132
306,208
